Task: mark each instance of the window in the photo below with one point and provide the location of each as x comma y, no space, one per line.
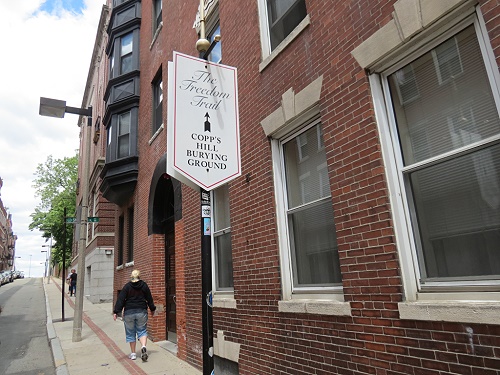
283,17
309,212
109,132
120,239
216,54
123,134
223,258
95,201
112,66
447,164
278,20
126,49
157,14
130,236
157,104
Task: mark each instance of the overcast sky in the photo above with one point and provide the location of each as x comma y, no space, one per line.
46,51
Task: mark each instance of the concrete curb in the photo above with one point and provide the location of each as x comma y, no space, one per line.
55,343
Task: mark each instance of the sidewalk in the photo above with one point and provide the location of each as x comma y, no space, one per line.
103,349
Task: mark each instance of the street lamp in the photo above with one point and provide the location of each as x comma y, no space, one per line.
57,108
29,271
49,255
46,259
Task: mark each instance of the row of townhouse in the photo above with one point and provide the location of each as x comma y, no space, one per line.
363,234
7,237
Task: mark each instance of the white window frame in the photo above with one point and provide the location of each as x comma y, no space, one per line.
319,300
265,37
436,302
295,112
223,298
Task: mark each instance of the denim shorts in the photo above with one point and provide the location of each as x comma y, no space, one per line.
135,324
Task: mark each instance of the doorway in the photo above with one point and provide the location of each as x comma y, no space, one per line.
170,308
165,209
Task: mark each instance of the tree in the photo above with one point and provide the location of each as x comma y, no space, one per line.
55,183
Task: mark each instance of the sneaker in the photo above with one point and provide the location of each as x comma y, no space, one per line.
144,354
132,356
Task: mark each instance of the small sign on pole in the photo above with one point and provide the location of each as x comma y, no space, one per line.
70,219
93,219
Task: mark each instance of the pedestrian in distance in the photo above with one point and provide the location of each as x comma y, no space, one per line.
72,283
68,281
134,300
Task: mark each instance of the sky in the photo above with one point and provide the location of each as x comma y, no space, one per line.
46,49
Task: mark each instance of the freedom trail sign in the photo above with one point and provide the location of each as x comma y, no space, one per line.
203,126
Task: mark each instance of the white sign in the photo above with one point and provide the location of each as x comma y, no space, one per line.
203,125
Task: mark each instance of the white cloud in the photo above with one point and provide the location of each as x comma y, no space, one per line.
43,55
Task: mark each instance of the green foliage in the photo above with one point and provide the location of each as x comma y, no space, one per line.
54,184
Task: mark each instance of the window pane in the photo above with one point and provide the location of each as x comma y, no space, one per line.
126,53
284,16
305,168
224,261
111,66
216,54
313,240
126,64
221,208
279,7
314,246
130,229
158,105
458,212
124,123
126,44
123,134
123,146
222,239
443,100
158,11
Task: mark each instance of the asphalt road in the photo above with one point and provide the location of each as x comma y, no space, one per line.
24,345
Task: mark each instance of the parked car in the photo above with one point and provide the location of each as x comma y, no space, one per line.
5,277
9,275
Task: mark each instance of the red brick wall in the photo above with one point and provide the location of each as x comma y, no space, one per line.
374,340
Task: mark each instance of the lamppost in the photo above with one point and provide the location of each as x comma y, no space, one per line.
46,261
57,108
45,270
29,271
49,255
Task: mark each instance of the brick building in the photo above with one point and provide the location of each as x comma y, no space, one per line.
99,241
7,238
362,234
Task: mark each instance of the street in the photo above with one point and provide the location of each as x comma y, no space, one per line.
24,344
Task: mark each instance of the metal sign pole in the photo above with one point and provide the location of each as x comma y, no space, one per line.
63,277
206,286
203,45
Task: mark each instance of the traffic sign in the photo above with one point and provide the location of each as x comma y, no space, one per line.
70,219
93,219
